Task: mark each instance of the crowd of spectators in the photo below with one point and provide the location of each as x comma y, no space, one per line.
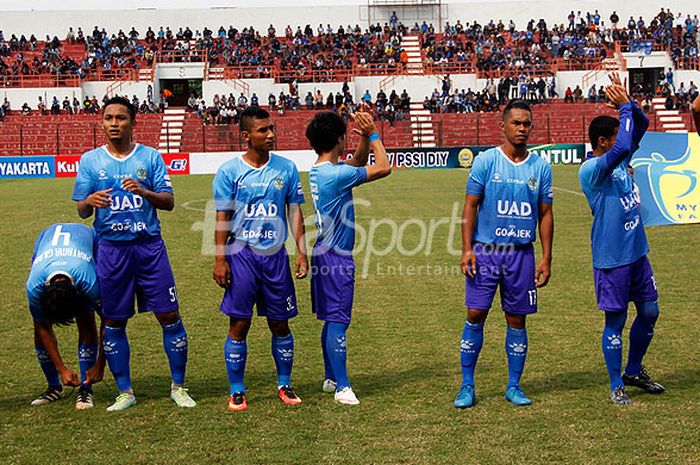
494,94
495,46
88,106
227,109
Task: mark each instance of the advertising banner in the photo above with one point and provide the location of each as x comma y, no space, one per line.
27,167
67,166
666,169
554,154
177,163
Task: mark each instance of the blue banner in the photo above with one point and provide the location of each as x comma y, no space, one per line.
27,167
666,169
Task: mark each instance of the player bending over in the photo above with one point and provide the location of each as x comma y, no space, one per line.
254,194
621,269
509,192
124,183
62,288
332,265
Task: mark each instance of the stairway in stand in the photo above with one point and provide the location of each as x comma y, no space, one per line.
671,120
171,130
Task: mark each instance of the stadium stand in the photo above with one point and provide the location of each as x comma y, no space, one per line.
476,67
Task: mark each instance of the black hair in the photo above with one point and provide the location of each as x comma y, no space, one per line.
122,101
324,130
249,114
517,105
602,126
61,301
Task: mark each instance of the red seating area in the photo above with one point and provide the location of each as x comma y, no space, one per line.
290,130
65,134
552,123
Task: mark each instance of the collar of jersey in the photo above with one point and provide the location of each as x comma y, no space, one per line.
316,165
259,167
136,145
55,273
511,161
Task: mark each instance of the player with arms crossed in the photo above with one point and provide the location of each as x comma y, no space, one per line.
332,265
62,288
123,184
254,194
509,191
621,269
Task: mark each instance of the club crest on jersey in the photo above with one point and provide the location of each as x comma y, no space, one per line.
141,173
532,183
278,183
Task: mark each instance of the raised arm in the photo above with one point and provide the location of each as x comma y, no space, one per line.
365,128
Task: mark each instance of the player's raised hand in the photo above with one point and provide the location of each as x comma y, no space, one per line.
468,263
69,377
617,95
222,273
100,199
302,267
543,273
365,124
132,185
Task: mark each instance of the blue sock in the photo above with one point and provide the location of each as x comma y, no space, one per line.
49,369
235,354
641,333
283,353
336,348
612,346
117,353
327,368
516,350
469,348
87,355
175,345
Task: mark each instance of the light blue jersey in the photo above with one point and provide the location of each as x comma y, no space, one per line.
258,199
331,190
511,193
130,216
64,248
617,234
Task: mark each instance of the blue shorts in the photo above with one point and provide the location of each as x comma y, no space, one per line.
261,280
510,267
140,269
616,287
332,285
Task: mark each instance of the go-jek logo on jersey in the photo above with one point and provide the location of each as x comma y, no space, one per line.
514,209
666,170
126,202
260,210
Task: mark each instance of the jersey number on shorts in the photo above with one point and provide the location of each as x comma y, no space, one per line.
532,295
173,294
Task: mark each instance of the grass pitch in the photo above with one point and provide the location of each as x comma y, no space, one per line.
403,352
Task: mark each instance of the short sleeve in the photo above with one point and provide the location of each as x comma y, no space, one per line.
161,178
84,184
477,178
349,176
591,175
546,192
295,193
224,189
34,300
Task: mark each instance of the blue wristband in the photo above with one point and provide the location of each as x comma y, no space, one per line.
374,136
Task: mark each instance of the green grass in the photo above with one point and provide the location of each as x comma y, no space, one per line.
403,355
